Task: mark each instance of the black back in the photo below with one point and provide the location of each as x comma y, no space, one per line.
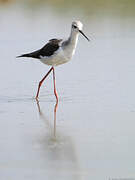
47,50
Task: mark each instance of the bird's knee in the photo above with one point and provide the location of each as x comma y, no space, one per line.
40,83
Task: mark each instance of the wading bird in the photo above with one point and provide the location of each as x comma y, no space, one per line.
57,51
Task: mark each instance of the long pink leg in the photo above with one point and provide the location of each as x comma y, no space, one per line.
55,85
55,110
40,83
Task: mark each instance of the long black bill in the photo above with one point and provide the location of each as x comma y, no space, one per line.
84,35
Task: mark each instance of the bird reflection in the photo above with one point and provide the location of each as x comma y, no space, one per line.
44,118
59,150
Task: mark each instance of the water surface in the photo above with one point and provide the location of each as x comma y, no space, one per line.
93,137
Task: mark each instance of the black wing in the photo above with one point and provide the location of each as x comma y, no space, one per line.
47,50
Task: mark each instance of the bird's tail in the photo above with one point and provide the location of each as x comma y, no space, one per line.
23,55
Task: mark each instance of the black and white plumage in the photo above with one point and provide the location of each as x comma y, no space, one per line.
58,51
47,50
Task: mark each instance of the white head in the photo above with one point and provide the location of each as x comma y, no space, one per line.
77,26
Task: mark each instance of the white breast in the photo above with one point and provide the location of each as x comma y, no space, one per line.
59,57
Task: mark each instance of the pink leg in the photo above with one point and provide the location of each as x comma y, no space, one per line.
40,83
55,85
55,110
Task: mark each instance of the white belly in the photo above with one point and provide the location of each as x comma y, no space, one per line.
59,57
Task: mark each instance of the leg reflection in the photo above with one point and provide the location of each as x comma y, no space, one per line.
45,119
59,149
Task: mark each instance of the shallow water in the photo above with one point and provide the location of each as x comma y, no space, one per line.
93,137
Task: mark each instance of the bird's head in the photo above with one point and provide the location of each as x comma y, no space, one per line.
77,26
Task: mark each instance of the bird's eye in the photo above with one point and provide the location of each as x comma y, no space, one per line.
74,26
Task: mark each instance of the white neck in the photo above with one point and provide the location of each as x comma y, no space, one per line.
73,37
70,45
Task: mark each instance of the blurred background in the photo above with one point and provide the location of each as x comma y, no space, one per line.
95,116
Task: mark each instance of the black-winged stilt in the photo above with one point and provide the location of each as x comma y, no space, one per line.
57,51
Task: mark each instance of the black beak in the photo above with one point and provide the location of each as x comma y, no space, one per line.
84,35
